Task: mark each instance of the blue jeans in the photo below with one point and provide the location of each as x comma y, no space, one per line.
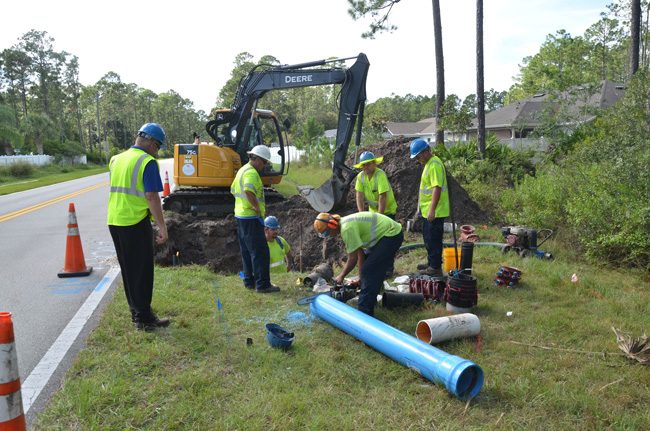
373,271
432,236
254,253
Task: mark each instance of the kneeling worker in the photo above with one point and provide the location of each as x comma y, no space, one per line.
372,187
372,240
279,248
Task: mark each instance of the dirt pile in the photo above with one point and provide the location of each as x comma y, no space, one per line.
214,242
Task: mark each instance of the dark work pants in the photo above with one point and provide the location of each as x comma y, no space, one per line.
432,236
373,271
254,253
134,248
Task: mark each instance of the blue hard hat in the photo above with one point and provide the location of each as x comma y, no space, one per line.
153,131
271,222
417,146
366,156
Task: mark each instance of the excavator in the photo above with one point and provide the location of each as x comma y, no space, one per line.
203,173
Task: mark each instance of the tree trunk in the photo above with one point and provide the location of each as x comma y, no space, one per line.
635,27
480,92
440,72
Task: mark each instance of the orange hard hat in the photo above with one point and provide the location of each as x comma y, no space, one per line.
325,221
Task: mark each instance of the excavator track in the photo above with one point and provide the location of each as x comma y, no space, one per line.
209,201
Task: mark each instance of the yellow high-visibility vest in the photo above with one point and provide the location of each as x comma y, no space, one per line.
127,204
247,179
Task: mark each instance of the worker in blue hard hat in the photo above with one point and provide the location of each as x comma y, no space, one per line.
133,200
433,204
279,248
373,188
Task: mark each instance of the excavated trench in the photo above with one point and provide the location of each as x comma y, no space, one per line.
205,241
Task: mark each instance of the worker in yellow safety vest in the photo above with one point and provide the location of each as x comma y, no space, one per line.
371,240
248,191
373,188
433,203
279,248
133,199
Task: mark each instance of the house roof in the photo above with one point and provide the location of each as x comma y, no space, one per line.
426,126
582,100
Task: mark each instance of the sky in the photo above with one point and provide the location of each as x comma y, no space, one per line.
190,46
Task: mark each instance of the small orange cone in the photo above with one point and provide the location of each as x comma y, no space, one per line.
12,417
75,265
166,190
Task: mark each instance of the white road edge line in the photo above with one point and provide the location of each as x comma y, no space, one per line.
41,374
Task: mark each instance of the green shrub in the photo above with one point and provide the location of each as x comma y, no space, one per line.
21,170
537,201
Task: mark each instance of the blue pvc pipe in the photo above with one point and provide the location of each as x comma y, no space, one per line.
461,377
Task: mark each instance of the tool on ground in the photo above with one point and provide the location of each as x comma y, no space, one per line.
278,337
75,264
468,233
461,377
524,241
11,403
203,173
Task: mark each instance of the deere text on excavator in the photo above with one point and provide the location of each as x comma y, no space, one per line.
203,173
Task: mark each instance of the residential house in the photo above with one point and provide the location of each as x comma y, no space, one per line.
514,123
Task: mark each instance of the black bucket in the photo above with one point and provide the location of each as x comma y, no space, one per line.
395,299
462,291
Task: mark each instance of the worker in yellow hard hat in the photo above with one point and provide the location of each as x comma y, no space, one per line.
373,188
371,240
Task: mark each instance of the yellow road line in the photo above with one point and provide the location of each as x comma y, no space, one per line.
50,202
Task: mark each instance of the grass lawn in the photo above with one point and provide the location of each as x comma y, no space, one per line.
44,176
200,374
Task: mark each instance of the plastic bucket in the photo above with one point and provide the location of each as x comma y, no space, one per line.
449,259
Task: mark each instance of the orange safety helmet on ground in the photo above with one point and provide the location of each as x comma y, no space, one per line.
325,223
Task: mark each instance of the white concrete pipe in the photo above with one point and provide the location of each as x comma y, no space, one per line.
440,329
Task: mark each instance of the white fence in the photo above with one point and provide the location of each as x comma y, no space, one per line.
40,160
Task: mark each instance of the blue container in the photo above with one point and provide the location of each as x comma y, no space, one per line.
461,377
278,337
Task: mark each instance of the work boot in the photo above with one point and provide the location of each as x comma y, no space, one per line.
270,289
422,266
251,286
152,325
432,272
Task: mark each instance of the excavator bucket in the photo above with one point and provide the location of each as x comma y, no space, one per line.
330,196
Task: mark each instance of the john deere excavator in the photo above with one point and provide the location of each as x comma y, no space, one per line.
203,173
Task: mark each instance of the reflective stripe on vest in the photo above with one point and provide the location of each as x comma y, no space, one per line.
429,190
375,188
373,227
242,194
134,180
278,263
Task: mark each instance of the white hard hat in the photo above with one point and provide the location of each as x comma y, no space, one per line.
261,151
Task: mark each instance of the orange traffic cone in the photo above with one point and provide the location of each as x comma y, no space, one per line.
75,265
166,190
12,417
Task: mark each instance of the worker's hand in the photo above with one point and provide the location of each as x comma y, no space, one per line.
339,279
161,236
431,216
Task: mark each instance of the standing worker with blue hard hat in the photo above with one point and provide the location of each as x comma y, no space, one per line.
133,200
433,203
279,249
248,190
373,188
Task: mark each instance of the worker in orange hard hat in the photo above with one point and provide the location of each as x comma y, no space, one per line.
371,240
